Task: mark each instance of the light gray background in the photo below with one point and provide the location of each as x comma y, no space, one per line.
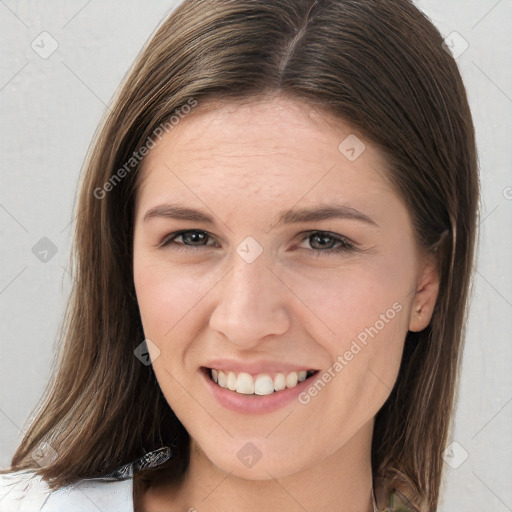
49,111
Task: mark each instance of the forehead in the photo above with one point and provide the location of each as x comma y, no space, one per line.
276,149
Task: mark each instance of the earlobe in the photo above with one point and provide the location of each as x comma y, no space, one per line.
427,289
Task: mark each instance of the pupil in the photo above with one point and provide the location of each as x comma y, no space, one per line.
193,237
323,239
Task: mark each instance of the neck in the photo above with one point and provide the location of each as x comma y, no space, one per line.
341,482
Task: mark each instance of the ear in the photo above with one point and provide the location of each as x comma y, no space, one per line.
427,289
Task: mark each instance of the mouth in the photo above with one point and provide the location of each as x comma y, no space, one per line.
261,384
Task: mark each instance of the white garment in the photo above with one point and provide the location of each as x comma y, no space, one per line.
26,491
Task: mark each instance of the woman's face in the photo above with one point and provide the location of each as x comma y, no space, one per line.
294,254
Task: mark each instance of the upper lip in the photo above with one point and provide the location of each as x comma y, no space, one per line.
255,368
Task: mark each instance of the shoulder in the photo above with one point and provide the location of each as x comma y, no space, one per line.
26,491
22,490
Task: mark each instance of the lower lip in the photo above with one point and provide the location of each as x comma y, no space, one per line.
256,404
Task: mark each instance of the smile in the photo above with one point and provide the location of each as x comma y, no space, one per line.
261,384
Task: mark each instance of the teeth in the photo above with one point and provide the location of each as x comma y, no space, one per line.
244,384
292,379
231,381
223,381
262,384
279,382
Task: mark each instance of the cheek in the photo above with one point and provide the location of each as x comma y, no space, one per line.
349,301
366,309
166,295
368,315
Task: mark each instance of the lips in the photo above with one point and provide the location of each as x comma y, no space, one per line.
242,403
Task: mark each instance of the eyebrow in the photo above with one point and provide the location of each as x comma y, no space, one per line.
292,216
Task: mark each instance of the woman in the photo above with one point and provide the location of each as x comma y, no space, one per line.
274,246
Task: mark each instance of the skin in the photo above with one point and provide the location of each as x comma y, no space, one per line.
243,164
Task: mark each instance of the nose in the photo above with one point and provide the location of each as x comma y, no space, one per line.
251,303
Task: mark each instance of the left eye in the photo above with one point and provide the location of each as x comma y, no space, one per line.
323,243
327,243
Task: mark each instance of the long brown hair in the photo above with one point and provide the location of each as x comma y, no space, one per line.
381,66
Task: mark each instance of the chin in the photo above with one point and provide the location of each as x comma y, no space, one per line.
256,459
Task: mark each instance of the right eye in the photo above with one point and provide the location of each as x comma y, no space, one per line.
191,240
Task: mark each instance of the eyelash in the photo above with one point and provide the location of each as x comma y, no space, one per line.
344,245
